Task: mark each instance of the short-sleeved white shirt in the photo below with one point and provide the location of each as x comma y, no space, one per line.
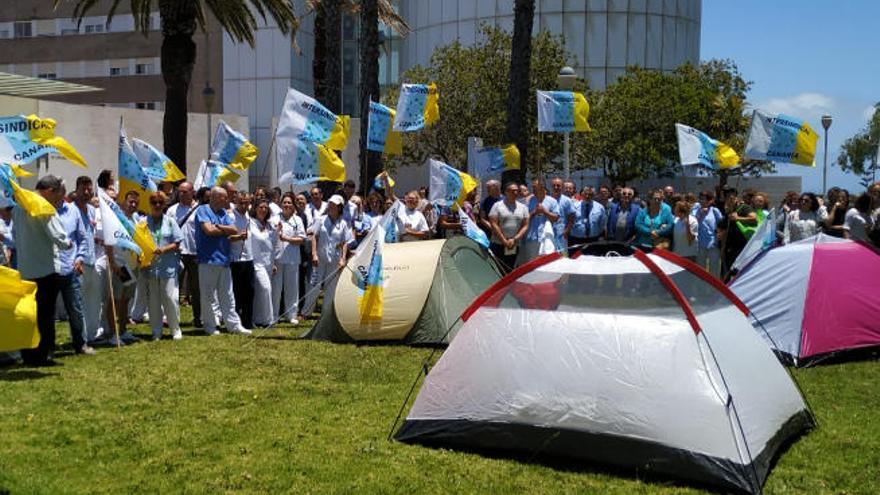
331,237
292,227
412,219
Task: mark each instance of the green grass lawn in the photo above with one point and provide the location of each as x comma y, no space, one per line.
277,415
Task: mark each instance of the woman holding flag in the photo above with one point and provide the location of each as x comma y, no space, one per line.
161,275
329,253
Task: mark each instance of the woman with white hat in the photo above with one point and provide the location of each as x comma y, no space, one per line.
329,252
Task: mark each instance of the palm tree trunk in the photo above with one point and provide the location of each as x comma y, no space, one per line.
518,95
332,55
178,60
370,161
318,54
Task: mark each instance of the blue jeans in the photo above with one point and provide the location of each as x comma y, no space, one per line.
71,294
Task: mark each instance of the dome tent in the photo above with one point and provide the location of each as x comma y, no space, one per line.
427,286
814,298
642,362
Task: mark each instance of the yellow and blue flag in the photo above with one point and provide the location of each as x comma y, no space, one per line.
213,173
495,159
157,166
367,263
781,138
303,118
417,107
379,183
471,230
18,312
12,194
381,136
306,162
697,148
232,148
24,139
449,186
563,111
116,227
132,176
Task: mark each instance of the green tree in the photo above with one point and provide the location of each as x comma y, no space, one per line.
473,85
518,88
858,154
180,19
633,120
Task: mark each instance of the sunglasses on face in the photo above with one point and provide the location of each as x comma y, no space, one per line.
156,203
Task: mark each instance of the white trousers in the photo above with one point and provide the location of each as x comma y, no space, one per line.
710,259
287,278
217,279
93,300
264,293
319,273
140,300
162,296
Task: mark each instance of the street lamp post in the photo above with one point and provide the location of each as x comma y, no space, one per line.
565,80
826,123
208,99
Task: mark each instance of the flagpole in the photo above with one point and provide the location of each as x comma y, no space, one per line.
113,303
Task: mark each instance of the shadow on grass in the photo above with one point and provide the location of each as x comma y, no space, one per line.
20,375
842,357
567,465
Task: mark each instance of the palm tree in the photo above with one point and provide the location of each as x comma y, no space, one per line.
326,61
518,95
370,161
180,19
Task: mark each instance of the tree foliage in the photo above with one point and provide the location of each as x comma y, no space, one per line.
858,154
473,84
633,120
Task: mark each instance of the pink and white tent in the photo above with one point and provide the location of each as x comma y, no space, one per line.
814,297
644,362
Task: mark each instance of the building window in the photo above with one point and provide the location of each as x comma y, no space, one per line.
145,105
118,71
94,28
144,69
48,75
23,29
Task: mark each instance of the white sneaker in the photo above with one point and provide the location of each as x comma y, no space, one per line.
177,335
241,331
212,333
294,321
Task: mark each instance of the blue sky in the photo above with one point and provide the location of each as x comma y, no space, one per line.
805,58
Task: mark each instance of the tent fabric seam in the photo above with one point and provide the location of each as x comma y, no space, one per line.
701,273
671,287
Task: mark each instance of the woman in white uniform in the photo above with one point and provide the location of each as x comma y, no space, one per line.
329,251
264,244
291,235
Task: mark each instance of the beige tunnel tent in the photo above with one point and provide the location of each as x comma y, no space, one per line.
427,286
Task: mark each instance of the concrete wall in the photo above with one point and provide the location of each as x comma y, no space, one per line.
94,132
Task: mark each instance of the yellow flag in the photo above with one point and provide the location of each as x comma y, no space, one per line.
18,312
330,166
338,139
144,239
20,171
43,132
34,204
581,113
432,105
227,175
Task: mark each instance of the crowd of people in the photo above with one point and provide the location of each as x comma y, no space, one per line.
245,260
